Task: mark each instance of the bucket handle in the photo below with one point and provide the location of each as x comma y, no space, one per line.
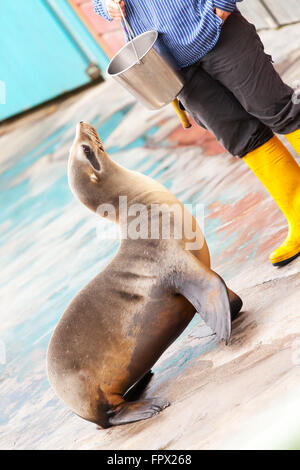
129,34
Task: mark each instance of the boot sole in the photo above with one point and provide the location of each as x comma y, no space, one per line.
286,261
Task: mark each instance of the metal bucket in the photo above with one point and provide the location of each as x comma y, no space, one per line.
145,73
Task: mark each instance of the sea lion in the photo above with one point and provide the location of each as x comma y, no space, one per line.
118,326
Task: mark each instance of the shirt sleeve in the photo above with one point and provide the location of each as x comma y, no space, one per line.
100,9
226,5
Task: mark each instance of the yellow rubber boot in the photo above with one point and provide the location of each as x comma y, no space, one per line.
294,140
273,164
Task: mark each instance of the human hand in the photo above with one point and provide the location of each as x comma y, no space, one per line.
113,8
222,14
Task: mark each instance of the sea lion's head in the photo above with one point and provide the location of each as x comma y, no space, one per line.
90,170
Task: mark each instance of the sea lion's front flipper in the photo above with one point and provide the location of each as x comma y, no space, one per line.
206,291
138,388
136,411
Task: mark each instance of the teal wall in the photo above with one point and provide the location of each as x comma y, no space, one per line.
40,57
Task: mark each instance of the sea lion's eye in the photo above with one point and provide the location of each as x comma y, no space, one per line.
91,157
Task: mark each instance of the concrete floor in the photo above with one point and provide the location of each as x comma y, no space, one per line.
245,395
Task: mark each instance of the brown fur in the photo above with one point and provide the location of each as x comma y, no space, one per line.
117,327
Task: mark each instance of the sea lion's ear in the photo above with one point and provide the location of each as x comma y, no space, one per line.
206,291
91,157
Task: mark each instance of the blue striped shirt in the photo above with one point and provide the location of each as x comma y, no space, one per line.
188,28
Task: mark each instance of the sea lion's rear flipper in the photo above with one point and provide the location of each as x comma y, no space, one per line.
206,291
136,411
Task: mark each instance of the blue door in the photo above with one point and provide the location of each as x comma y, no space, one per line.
45,51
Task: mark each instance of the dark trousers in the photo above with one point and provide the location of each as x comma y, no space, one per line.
235,92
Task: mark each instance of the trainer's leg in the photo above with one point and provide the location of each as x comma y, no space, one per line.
273,164
294,140
239,62
215,108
